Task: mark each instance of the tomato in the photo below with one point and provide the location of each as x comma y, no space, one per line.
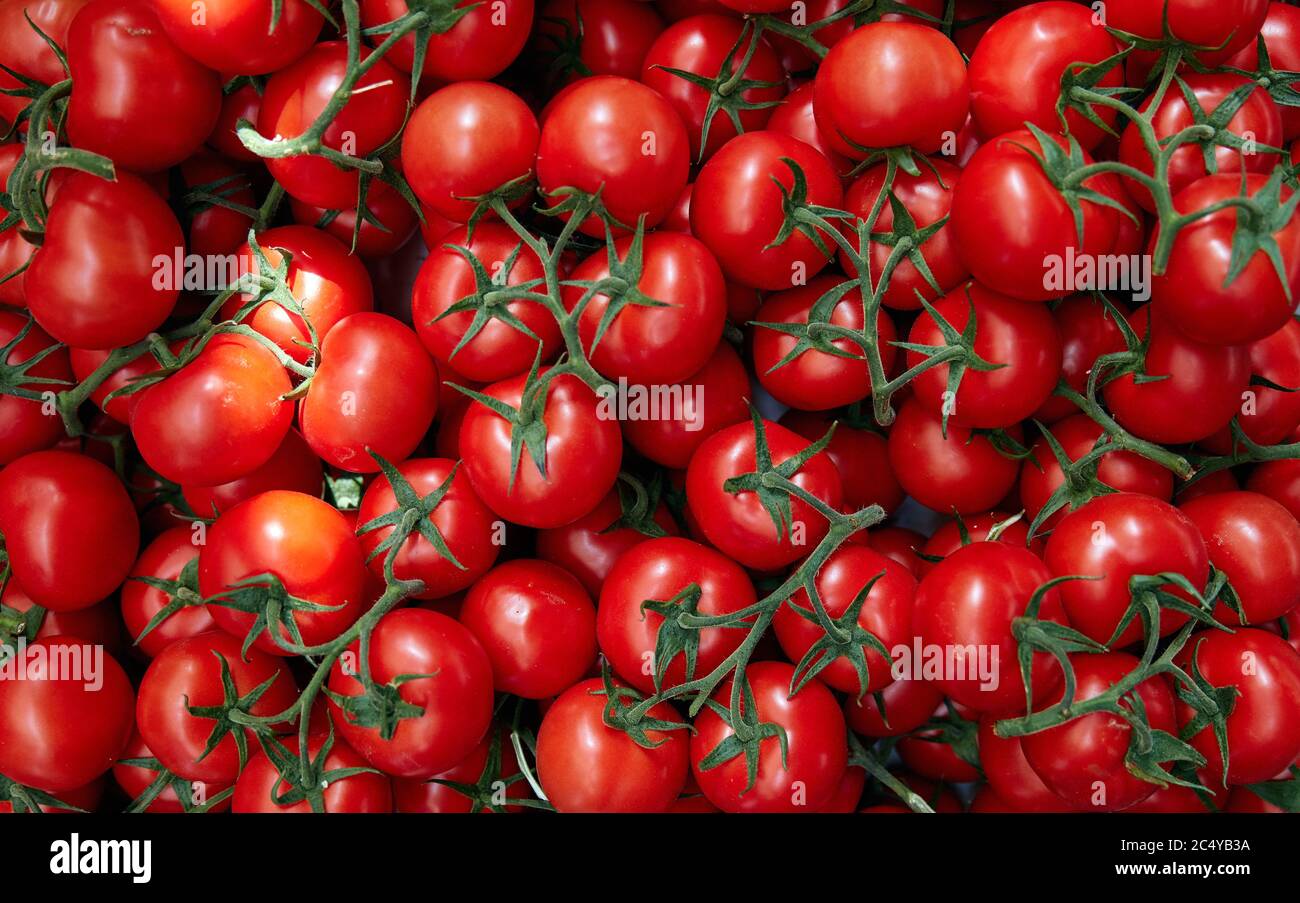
795,57
30,424
211,228
293,466
908,704
890,84
1268,416
1014,229
1280,481
126,69
898,543
465,140
860,455
430,796
326,281
1010,774
260,783
1281,33
217,419
482,43
1016,70
241,35
582,453
796,117
64,722
110,235
70,530
607,37
172,556
99,624
886,615
25,52
1264,724
971,599
1087,332
927,198
589,547
1198,387
817,380
537,625
15,251
1078,435
652,345
700,45
963,472
242,102
396,222
375,389
297,94
188,673
1255,542
962,531
736,209
659,570
494,349
672,440
809,772
135,779
585,766
1222,28
619,137
738,524
1083,760
926,754
456,696
1194,290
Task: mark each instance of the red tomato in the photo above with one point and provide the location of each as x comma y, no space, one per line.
1268,416
293,466
98,624
243,102
795,117
958,532
212,229
1010,774
30,424
15,250
860,455
1281,33
430,796
1087,332
172,556
963,472
908,704
809,772
25,52
135,779
238,35
898,543
1222,27
1280,481
260,784
606,37
482,43
396,222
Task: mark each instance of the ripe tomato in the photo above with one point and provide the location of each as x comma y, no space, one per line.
817,380
970,599
619,137
886,615
260,783
456,696
582,454
1087,332
796,117
396,222
1223,28
327,282
217,419
243,102
25,52
659,570
480,45
237,35
430,796
1268,416
15,250
606,37
860,455
537,625
1010,774
212,229
890,84
188,673
956,532
815,755
585,766
99,624
738,524
1083,760
172,556
70,530
898,543
963,472
135,779
293,466
465,140
908,704
375,389
65,720
1281,33
1280,481
30,424
736,209
126,69
111,235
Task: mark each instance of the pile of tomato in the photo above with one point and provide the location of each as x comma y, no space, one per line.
649,405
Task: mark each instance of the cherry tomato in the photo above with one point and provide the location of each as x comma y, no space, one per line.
172,556
482,43
293,466
241,35
1221,28
606,37
860,455
30,424
908,704
260,784
26,52
961,472
1010,775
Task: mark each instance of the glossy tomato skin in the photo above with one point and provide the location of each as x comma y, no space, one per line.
375,389
60,731
480,45
1194,291
1267,416
889,84
898,543
25,52
1116,537
860,455
1280,481
127,69
971,598
1088,330
294,466
796,117
621,137
659,570
583,452
537,625
738,524
962,472
166,558
27,425
585,766
886,615
816,739
190,669
245,102
86,361
1281,33
106,234
217,419
457,698
908,705
461,518
1082,761
236,35
1021,337
259,783
736,209
392,211
612,36
463,141
962,531
135,779
1223,28
816,380
1255,542
1010,774
328,283
1264,725
70,530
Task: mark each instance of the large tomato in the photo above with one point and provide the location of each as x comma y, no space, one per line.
172,556
30,424
237,35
